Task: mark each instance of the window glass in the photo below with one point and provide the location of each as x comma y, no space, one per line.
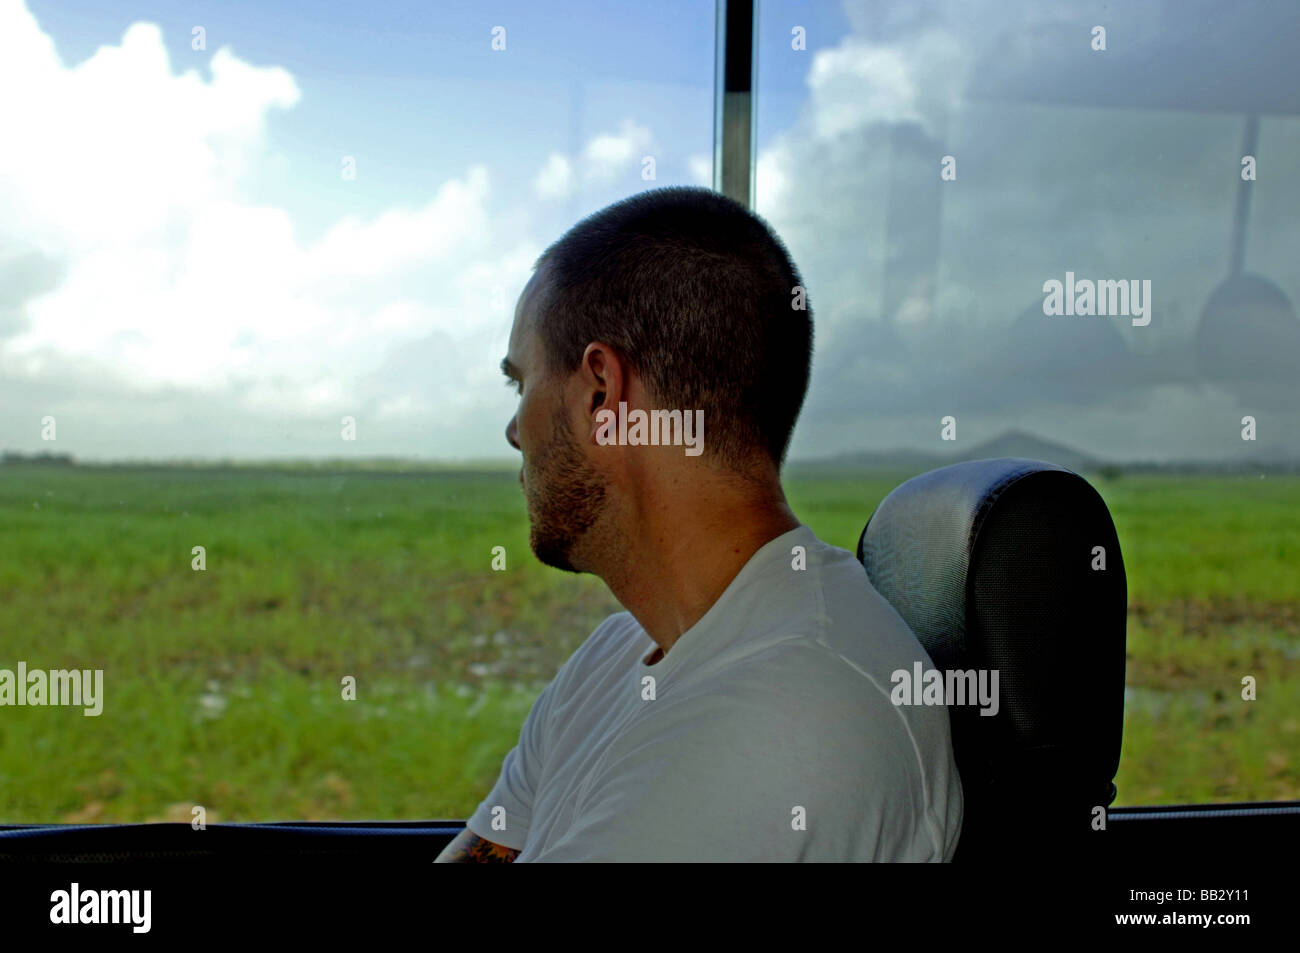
932,166
258,266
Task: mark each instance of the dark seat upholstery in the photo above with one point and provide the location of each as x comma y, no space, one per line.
991,563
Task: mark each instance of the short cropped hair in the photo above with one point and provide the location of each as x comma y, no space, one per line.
701,298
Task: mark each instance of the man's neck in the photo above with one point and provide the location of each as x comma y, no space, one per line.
684,557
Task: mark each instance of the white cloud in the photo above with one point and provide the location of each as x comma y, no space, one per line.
606,157
169,276
856,83
701,169
555,180
611,154
114,149
455,221
772,177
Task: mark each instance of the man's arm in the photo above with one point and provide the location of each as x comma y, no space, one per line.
468,848
513,793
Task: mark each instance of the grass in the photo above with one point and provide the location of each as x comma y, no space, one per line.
223,687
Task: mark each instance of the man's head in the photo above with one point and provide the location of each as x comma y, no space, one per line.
673,299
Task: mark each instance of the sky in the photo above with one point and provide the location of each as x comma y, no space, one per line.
188,271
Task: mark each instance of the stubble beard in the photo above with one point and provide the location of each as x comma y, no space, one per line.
565,498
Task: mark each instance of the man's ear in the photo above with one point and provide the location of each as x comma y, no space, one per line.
604,379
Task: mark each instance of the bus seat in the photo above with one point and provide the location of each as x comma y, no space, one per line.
1014,565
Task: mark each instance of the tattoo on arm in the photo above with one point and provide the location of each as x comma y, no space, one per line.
468,848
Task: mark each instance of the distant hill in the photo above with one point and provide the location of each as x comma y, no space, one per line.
1013,443
1017,443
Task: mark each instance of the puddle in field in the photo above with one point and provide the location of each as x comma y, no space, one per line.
1155,701
1288,646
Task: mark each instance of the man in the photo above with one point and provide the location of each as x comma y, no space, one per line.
739,710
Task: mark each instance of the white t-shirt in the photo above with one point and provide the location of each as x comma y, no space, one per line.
770,735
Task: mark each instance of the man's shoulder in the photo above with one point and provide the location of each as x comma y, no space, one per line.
859,625
610,643
615,635
796,681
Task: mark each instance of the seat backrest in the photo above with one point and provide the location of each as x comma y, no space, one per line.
1013,565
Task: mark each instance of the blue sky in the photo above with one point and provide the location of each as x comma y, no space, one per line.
185,272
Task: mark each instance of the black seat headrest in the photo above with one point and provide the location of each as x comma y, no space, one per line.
1014,565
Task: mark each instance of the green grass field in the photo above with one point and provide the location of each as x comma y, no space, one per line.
223,687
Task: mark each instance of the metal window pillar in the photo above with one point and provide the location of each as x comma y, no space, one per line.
733,100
